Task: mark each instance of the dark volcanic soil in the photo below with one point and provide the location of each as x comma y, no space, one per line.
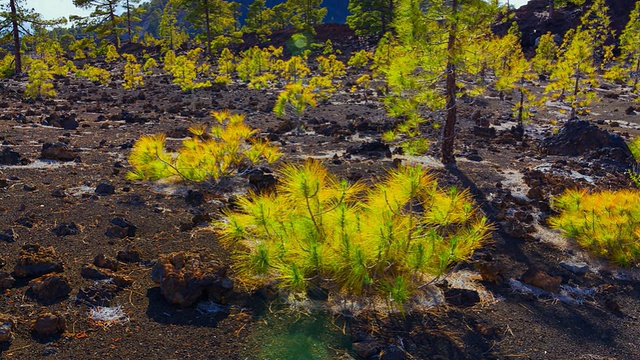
584,311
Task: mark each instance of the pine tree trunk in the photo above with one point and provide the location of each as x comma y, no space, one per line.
450,122
129,20
114,30
16,36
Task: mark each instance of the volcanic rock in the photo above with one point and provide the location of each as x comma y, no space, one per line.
580,138
36,260
129,254
6,280
7,326
50,287
66,229
373,149
184,277
58,151
105,262
9,157
49,324
8,235
542,280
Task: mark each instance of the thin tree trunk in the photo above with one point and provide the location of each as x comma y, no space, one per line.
129,20
551,8
521,108
114,31
16,37
450,122
575,97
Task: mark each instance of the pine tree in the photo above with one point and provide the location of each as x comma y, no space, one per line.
103,20
433,42
306,13
628,67
14,19
170,34
214,17
371,17
259,19
574,77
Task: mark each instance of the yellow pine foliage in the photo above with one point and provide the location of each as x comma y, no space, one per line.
606,223
112,54
318,230
213,155
132,73
95,74
40,83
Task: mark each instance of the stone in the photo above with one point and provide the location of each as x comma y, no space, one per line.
128,227
66,229
9,157
104,189
97,294
262,179
461,297
580,138
58,151
6,280
575,267
184,277
374,149
36,260
7,325
130,254
542,280
48,324
50,287
8,235
105,262
91,272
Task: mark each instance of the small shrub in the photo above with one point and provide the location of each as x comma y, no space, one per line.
132,73
94,74
316,230
221,152
40,83
149,65
184,74
112,54
330,66
295,97
607,223
360,59
7,66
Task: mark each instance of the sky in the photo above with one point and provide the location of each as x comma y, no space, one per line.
51,9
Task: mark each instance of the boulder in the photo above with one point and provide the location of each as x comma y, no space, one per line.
184,277
50,287
130,254
105,262
36,260
581,138
58,151
9,157
48,324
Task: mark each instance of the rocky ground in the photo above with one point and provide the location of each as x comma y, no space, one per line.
94,266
